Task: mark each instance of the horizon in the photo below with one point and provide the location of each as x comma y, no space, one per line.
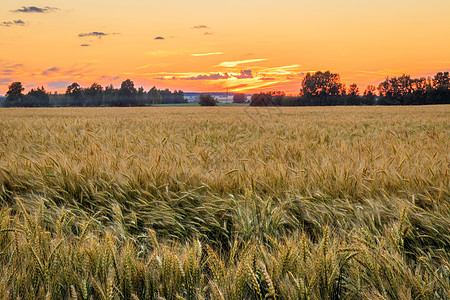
250,47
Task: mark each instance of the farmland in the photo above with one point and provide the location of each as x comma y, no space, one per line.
225,203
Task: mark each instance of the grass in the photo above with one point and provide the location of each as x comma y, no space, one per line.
225,203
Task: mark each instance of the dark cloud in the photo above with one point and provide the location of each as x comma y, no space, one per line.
35,9
84,45
201,27
209,77
48,71
94,34
58,84
159,38
13,23
267,78
245,74
159,78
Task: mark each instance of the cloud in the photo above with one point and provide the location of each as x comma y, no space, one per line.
267,78
85,45
245,74
215,76
207,54
58,84
51,70
295,76
201,27
5,80
94,34
208,33
159,38
6,72
35,9
230,64
110,78
12,23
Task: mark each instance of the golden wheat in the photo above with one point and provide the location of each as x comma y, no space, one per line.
225,203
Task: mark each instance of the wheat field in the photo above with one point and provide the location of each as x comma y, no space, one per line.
225,203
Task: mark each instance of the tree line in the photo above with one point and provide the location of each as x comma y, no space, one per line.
326,89
317,89
95,96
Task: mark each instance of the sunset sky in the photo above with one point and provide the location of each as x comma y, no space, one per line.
209,45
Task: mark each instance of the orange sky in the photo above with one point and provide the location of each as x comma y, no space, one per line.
209,45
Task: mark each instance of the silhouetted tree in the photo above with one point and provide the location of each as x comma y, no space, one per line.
207,100
441,80
36,98
141,97
322,88
155,96
353,97
169,97
14,95
94,95
369,95
321,84
74,95
127,94
261,99
110,95
239,98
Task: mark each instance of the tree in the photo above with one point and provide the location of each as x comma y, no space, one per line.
127,94
261,99
74,94
207,100
155,96
141,97
239,98
441,80
110,95
321,84
36,98
14,95
369,95
94,95
353,97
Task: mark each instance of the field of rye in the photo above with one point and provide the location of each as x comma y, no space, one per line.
225,203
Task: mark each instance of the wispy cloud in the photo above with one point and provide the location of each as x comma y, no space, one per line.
97,34
253,86
201,27
35,9
208,33
215,76
85,45
231,64
283,70
207,54
51,70
58,84
4,81
12,23
159,38
143,67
